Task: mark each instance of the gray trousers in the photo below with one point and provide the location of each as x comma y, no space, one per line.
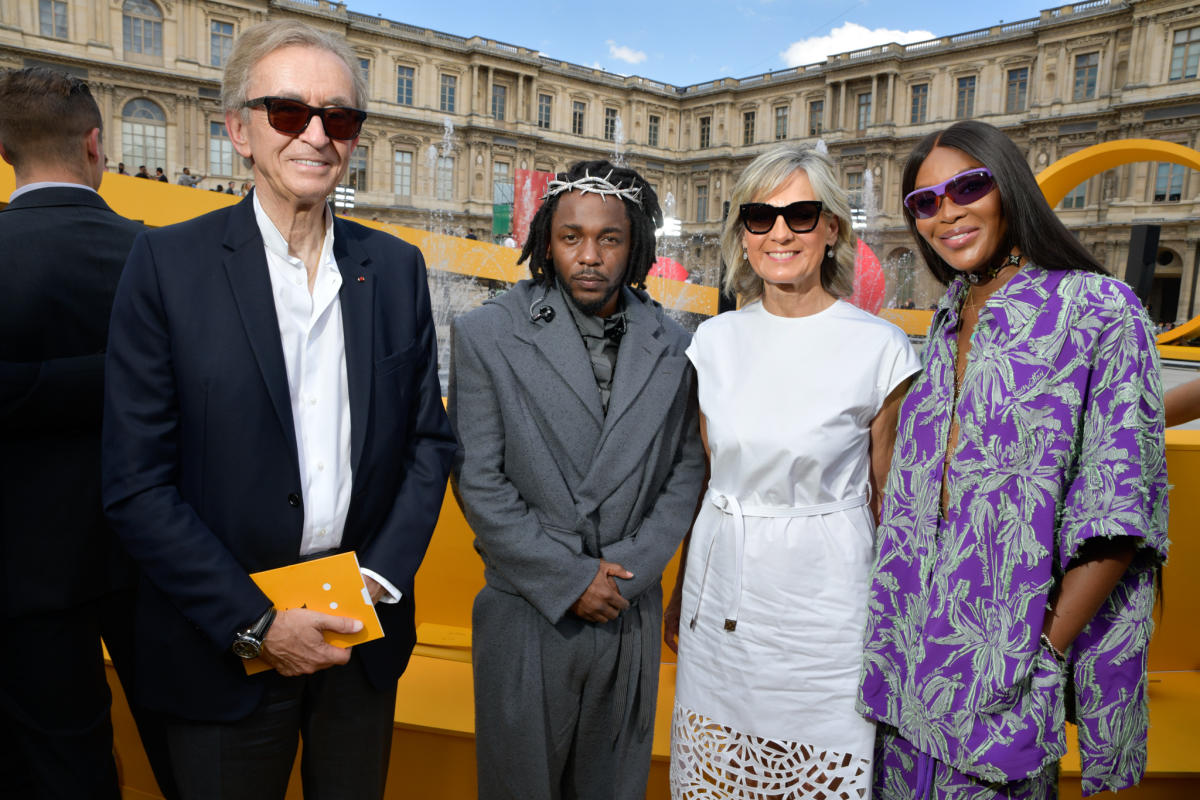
546,727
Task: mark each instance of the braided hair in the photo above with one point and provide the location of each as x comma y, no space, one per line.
644,217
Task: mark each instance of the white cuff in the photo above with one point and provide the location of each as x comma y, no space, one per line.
391,593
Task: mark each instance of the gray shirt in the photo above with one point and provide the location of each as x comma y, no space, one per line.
602,338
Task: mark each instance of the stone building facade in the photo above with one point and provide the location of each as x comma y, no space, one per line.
453,118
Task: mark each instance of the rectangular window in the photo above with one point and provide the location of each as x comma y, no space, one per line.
1185,54
220,150
1077,197
705,132
610,124
356,175
781,123
854,189
404,85
545,104
141,27
1018,90
499,101
502,183
364,69
1168,183
402,173
920,103
816,117
220,42
747,128
446,95
445,178
701,204
964,105
578,109
652,130
52,18
1087,67
863,118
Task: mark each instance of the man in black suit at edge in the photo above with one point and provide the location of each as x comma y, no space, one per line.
64,579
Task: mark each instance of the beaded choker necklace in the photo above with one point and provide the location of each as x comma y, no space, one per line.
990,272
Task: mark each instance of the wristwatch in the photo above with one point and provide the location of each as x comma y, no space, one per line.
248,643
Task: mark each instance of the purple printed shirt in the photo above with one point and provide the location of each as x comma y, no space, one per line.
1060,440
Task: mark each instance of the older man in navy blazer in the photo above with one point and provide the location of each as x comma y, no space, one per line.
272,396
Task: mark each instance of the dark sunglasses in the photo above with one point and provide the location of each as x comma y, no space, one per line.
292,117
800,217
964,188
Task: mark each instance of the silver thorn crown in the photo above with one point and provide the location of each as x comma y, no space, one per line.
596,185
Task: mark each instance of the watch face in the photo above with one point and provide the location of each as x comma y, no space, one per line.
246,647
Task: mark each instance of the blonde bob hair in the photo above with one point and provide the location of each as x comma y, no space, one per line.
259,41
759,180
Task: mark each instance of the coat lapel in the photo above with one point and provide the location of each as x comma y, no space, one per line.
637,357
561,345
357,297
246,267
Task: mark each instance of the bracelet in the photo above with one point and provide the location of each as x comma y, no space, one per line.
1059,656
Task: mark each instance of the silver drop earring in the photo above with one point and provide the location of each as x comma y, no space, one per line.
745,254
829,252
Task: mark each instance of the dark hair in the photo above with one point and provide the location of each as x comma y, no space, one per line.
1033,227
644,217
43,116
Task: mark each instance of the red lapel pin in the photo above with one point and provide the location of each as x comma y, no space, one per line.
362,279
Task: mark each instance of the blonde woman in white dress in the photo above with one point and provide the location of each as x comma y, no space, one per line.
799,392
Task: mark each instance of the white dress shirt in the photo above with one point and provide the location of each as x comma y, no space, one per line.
314,353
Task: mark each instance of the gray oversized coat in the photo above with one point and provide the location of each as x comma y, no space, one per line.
549,483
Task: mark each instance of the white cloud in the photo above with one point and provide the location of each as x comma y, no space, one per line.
843,39
626,54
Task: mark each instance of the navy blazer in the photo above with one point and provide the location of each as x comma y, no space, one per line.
201,477
63,253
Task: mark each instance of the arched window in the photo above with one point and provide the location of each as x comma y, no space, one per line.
144,134
143,27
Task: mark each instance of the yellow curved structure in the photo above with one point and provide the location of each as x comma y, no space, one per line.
1065,174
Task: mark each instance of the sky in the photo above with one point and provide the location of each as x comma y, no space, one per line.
684,43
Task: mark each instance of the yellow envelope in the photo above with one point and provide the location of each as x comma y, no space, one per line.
331,585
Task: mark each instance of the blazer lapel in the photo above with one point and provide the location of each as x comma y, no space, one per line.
357,297
246,268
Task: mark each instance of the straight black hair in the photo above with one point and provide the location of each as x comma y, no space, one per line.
1033,227
644,218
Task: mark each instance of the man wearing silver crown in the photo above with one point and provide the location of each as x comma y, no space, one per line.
580,469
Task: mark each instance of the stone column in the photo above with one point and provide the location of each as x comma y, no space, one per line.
874,111
472,90
827,111
487,95
841,122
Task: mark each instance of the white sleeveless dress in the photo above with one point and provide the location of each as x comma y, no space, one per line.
774,599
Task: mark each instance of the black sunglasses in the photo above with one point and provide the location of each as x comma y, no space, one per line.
800,217
292,117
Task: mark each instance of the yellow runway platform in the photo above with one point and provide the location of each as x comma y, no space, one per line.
433,745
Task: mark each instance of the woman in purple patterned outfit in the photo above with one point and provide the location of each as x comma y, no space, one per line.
1025,513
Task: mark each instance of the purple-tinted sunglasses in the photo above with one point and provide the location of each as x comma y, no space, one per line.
964,188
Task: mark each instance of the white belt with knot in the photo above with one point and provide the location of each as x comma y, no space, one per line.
733,507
